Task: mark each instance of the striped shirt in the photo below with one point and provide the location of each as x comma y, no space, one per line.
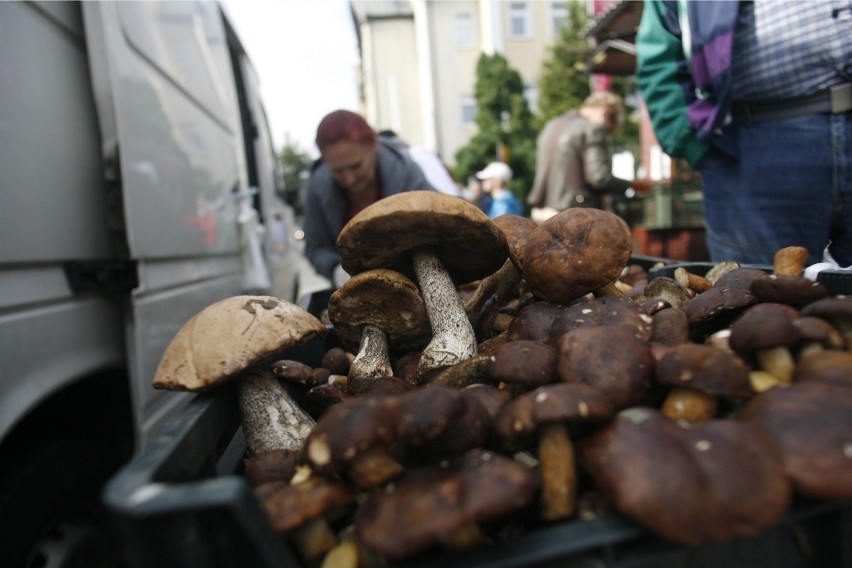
791,48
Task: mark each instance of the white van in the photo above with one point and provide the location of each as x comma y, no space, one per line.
135,163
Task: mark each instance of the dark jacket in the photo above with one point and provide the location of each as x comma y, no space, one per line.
574,167
325,205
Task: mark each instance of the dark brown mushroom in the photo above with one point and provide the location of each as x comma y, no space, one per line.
690,483
796,291
835,309
609,358
534,322
607,311
811,424
768,331
235,339
524,362
669,290
575,252
545,419
698,375
832,365
447,240
716,308
443,505
359,437
302,511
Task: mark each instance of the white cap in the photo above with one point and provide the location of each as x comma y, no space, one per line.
496,170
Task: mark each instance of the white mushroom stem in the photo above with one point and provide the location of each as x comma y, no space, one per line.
372,361
271,419
453,338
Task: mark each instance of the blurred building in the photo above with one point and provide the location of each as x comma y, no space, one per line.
418,60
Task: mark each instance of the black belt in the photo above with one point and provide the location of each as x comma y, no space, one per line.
834,100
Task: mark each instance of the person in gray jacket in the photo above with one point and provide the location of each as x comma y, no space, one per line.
573,163
356,168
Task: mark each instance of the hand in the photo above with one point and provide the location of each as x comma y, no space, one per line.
642,185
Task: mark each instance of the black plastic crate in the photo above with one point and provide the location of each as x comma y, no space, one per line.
184,503
838,282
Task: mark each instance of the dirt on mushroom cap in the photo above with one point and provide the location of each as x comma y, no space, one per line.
229,336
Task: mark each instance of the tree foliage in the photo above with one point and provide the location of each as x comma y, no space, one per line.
505,122
295,163
564,79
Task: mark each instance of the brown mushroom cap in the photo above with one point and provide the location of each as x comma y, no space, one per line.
609,358
796,291
534,322
579,406
610,311
427,505
705,369
763,326
516,229
465,240
290,506
690,483
523,362
386,299
829,365
811,423
575,252
670,327
359,424
230,336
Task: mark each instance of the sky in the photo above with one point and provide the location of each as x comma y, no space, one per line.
306,55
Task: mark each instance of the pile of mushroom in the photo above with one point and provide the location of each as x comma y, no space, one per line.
476,359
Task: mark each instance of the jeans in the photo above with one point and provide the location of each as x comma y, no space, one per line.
790,185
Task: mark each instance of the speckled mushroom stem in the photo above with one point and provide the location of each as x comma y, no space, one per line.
372,361
453,338
271,419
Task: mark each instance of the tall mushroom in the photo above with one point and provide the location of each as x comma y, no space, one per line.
376,310
230,340
447,240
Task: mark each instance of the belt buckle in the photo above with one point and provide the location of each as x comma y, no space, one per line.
841,98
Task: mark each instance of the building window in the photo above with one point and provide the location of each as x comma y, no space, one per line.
468,110
465,31
558,17
519,20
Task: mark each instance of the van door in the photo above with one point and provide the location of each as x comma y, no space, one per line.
169,119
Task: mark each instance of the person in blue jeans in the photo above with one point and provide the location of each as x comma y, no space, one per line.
495,180
757,96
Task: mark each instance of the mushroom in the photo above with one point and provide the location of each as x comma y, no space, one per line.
550,415
668,289
832,365
607,311
768,330
232,340
609,358
691,281
837,310
446,239
497,287
690,483
364,438
575,252
789,261
534,322
716,308
698,375
811,424
376,310
303,510
443,504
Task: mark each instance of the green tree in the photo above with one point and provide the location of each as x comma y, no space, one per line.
564,79
505,122
295,163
